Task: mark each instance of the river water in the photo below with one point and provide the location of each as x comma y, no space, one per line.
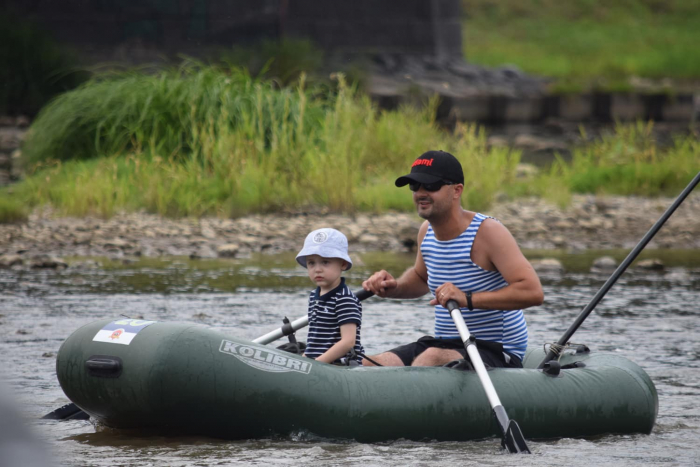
648,317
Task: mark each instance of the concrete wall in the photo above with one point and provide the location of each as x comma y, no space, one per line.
571,108
412,27
145,30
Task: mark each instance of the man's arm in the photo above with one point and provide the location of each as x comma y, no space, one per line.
500,249
413,283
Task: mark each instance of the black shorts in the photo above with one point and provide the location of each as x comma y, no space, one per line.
492,353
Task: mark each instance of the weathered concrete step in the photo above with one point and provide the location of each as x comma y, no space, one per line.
593,107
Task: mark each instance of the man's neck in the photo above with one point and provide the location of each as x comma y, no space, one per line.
452,226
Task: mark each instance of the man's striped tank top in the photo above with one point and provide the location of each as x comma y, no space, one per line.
450,261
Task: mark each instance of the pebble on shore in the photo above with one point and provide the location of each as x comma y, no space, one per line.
590,222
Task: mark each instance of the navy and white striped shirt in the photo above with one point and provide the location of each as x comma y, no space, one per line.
326,314
450,261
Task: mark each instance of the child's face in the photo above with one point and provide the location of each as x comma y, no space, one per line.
325,272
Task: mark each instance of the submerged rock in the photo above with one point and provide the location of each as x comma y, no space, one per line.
547,265
7,261
651,265
604,263
228,251
47,262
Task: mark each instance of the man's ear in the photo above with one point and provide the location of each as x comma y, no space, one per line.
345,265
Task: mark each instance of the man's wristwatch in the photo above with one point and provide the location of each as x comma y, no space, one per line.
469,301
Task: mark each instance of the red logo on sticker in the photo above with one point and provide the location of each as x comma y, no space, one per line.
116,334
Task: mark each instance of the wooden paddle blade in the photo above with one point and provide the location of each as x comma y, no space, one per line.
513,439
67,412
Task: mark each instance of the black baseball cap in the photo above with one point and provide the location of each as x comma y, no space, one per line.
432,167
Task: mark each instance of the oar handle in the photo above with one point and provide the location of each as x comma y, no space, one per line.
513,439
285,330
474,356
363,294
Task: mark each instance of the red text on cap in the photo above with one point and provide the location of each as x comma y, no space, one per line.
426,162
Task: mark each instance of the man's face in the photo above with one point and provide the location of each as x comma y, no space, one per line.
432,205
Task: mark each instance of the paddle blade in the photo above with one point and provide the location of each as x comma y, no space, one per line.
513,439
67,412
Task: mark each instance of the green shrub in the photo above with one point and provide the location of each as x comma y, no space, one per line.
625,162
283,60
164,113
11,210
257,149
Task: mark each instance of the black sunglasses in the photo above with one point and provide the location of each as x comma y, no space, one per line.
435,186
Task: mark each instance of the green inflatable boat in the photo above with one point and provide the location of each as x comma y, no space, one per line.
191,379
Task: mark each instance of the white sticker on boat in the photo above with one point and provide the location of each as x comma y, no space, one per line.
122,331
264,360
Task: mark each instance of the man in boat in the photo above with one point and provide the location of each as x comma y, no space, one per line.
467,257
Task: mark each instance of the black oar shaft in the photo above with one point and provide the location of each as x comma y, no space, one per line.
621,268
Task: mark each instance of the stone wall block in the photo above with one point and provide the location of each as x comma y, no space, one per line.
576,107
10,139
474,108
679,108
524,109
627,107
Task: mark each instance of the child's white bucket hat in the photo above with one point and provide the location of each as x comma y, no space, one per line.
327,243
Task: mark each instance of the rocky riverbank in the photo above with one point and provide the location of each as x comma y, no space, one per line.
588,223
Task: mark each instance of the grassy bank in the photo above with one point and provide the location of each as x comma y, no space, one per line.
590,44
627,162
201,141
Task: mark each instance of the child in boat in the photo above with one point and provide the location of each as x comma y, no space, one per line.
335,313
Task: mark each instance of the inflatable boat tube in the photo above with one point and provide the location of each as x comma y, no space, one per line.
190,379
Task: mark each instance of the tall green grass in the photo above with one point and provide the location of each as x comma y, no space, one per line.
12,210
200,141
592,44
624,162
203,142
164,113
282,60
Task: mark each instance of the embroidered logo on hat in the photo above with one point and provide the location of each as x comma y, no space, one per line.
320,237
426,162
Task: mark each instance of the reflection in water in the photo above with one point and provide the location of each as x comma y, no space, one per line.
651,318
